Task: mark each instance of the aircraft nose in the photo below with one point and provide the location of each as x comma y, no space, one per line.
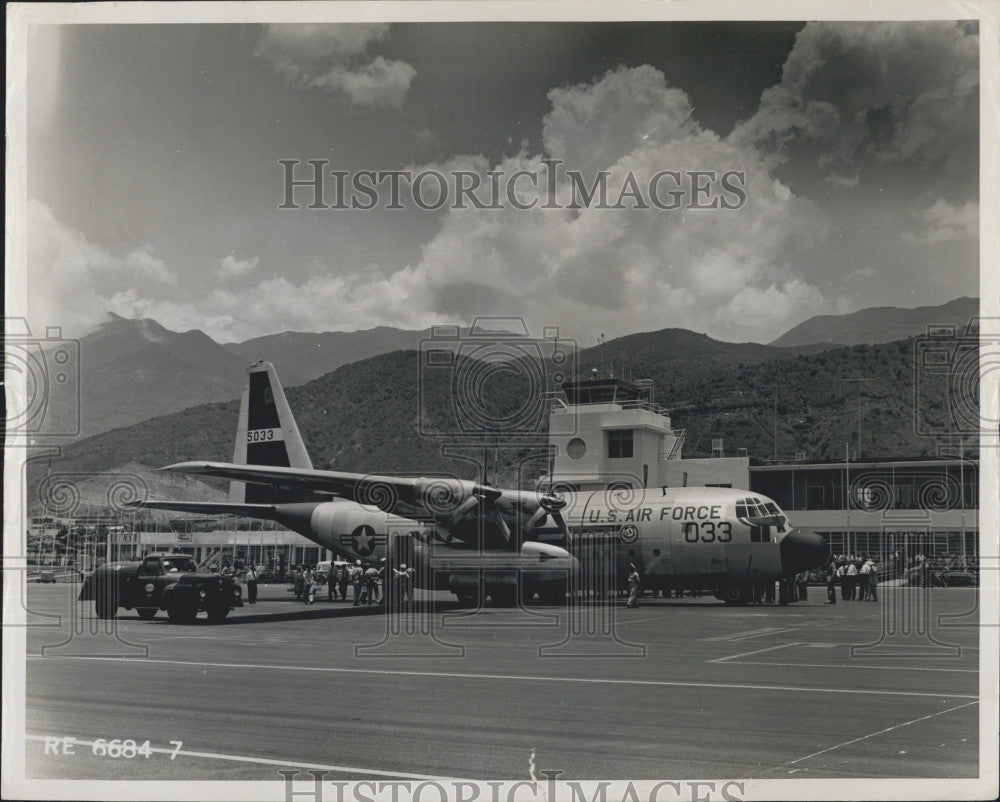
802,550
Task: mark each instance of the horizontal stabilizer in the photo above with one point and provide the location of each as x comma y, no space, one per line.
267,511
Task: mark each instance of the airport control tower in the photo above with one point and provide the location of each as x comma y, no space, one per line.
609,431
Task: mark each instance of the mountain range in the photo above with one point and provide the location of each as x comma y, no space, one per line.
134,370
879,324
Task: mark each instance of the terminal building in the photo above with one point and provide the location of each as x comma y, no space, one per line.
609,431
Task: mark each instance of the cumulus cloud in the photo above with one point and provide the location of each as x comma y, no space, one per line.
323,302
142,261
944,222
71,277
730,273
593,125
623,270
844,181
74,283
231,267
335,58
890,91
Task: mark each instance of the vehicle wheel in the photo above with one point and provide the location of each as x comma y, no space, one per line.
505,596
218,613
146,613
181,613
104,608
468,598
736,594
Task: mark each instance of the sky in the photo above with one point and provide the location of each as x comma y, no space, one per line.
155,184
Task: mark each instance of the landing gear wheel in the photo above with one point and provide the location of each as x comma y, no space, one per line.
736,594
181,613
146,613
218,613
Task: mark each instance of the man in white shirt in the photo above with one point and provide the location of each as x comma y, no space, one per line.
251,580
863,580
851,581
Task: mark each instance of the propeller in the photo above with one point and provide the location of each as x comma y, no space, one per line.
464,508
540,514
482,494
485,497
548,504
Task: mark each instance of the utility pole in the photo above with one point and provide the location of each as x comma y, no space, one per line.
961,488
857,452
847,492
775,425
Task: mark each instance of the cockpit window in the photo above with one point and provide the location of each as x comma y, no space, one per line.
780,519
760,516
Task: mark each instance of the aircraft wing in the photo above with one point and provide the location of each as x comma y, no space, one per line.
443,499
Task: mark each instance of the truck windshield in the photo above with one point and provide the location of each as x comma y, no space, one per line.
173,565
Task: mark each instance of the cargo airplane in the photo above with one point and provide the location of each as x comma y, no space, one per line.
476,540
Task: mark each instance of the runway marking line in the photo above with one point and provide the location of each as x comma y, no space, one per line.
507,677
747,654
753,633
264,761
846,665
872,735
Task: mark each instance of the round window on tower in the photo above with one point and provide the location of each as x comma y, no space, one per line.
576,448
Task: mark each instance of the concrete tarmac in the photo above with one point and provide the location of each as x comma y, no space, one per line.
675,688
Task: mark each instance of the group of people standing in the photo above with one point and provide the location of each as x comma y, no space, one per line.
367,583
784,591
857,577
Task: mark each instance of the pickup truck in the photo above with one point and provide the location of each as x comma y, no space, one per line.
169,581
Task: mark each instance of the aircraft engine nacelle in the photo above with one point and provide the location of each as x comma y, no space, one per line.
537,567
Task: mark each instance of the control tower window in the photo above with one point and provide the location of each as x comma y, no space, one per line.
620,444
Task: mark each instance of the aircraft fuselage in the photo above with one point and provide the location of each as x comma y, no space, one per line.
698,537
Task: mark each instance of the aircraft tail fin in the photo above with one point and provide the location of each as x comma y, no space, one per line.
267,435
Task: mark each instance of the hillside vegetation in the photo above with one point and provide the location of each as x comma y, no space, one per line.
381,416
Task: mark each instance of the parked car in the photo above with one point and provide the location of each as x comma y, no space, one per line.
164,581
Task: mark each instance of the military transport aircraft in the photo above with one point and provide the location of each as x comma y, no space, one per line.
476,540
